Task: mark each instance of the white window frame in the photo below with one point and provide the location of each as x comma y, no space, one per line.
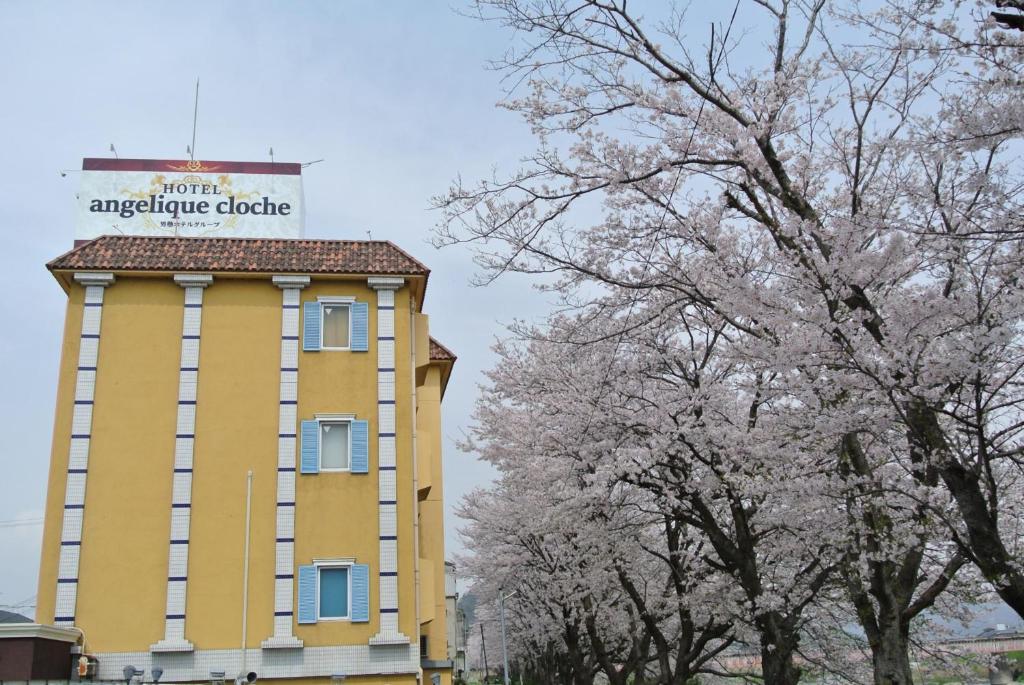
337,301
333,563
332,419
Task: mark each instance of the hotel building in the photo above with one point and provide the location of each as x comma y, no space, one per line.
246,466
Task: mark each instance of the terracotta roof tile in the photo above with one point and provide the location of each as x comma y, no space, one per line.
440,353
261,255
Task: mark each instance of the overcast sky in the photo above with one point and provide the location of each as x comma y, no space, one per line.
394,96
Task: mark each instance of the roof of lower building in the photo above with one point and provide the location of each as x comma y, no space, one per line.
440,353
11,617
239,255
1000,631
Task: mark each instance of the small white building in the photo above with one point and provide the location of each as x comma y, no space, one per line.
456,622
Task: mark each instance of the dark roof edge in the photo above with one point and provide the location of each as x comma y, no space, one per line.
411,258
53,265
50,264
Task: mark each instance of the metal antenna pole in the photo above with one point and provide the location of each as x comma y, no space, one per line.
195,118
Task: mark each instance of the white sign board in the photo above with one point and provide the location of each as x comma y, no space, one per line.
190,199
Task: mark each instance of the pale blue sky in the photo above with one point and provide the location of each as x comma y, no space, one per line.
393,95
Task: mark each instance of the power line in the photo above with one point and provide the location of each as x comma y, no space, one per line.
27,603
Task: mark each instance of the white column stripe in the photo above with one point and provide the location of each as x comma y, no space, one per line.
387,463
78,449
284,556
184,456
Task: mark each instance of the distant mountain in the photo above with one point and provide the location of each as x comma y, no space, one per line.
467,602
988,616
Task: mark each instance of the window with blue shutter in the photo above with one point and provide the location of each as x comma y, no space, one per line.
310,449
307,594
334,444
311,326
333,591
360,326
335,324
360,447
360,593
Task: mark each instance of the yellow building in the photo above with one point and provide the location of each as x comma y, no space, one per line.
246,464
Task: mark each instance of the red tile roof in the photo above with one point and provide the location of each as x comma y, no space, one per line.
260,255
440,353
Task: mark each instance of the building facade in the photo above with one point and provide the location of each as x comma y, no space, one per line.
246,464
456,621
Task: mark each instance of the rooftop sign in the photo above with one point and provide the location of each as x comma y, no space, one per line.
189,198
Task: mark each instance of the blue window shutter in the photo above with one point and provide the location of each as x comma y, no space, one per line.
360,447
307,594
360,593
311,326
310,447
360,324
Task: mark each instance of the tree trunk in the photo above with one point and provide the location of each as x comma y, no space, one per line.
885,620
777,665
890,652
576,659
617,668
979,515
778,646
986,547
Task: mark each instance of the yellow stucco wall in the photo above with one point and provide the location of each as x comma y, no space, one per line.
431,532
337,514
123,571
130,459
236,430
45,594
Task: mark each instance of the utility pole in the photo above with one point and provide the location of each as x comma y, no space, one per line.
483,644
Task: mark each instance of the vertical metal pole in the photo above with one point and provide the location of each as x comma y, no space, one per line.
483,644
245,571
504,642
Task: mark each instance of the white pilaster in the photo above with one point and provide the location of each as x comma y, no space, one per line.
284,562
78,453
184,453
387,463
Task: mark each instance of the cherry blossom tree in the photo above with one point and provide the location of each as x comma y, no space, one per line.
596,568
731,490
742,482
834,202
546,580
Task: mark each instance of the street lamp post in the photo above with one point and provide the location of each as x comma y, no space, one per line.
504,642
